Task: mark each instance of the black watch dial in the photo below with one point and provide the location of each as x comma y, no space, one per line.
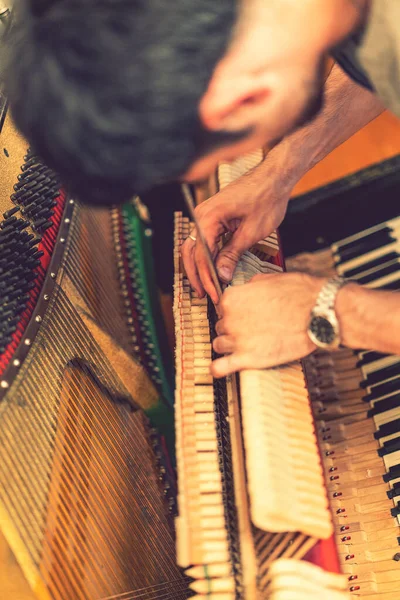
323,330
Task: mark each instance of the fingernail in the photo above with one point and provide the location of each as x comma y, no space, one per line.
225,273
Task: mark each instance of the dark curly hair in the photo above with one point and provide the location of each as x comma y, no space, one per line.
107,91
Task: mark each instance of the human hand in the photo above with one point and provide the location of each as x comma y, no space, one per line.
265,322
250,209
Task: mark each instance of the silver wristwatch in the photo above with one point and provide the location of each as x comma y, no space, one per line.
323,329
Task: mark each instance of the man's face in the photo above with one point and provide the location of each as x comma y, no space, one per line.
271,78
289,113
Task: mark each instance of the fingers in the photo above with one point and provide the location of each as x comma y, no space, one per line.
226,260
223,344
230,254
217,216
203,271
226,365
194,259
188,249
220,327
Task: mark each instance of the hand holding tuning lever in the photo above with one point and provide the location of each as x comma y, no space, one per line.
246,209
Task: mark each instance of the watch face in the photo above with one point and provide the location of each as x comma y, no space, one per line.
323,330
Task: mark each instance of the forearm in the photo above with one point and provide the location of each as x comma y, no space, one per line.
347,108
369,319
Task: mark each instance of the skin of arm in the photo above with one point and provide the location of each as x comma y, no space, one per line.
369,318
254,205
347,108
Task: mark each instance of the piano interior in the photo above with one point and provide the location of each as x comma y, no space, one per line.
126,474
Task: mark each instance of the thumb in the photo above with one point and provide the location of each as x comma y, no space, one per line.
229,256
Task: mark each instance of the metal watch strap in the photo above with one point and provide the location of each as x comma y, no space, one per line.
324,329
327,296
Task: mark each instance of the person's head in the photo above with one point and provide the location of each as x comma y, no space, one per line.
120,95
271,78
